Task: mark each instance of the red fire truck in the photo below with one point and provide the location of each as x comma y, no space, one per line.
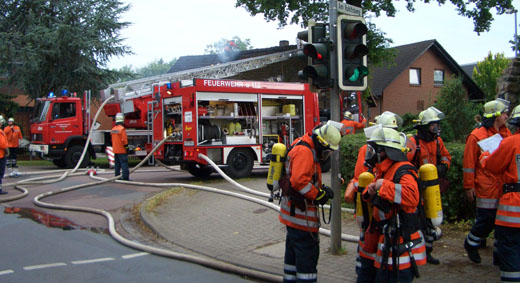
235,123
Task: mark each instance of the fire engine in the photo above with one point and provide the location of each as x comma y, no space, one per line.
233,122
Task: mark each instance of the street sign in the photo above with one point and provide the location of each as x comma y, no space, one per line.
348,9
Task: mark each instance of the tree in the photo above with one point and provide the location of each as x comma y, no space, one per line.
52,45
460,113
7,106
300,12
488,71
226,45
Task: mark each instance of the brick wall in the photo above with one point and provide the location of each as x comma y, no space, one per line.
400,97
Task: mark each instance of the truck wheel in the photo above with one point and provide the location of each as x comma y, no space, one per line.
74,154
200,171
240,163
59,162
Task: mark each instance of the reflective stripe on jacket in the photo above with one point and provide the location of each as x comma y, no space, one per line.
405,196
3,143
302,165
14,135
486,184
119,139
428,152
505,161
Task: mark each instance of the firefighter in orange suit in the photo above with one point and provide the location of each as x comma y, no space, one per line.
393,232
430,149
350,124
478,180
505,162
298,209
3,150
364,259
14,135
120,147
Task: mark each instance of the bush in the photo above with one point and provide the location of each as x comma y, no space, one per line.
455,207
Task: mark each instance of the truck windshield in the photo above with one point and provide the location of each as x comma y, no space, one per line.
40,111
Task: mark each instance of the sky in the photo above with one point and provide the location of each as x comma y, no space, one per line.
169,29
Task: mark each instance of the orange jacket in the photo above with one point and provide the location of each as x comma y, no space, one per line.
504,162
14,135
302,165
428,152
3,143
404,196
351,126
486,184
119,139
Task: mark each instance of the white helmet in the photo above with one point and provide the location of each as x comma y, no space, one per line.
10,120
2,120
495,108
389,120
328,136
120,118
430,115
393,141
347,115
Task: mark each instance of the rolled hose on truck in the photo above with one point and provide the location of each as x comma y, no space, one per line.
111,223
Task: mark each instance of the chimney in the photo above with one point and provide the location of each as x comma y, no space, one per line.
284,43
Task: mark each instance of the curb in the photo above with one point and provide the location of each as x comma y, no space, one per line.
269,277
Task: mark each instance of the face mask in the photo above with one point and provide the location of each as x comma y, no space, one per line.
371,157
435,128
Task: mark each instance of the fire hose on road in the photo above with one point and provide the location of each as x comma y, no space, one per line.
158,251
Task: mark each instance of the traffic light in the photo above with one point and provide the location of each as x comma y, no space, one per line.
318,52
352,53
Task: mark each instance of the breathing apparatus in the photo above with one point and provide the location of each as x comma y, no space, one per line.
326,138
431,194
276,164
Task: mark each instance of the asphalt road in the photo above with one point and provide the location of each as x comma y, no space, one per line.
44,245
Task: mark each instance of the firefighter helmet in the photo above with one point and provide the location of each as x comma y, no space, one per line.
495,108
392,141
120,118
347,115
11,119
515,117
2,120
328,136
430,115
389,120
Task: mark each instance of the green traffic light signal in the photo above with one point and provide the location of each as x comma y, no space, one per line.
352,53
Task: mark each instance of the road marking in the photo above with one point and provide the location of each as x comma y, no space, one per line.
134,255
4,272
92,260
33,267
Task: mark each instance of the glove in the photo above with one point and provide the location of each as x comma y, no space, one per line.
126,148
324,195
442,169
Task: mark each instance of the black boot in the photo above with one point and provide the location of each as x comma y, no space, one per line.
472,252
431,259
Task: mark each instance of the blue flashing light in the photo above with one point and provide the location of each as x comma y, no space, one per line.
169,85
64,92
51,94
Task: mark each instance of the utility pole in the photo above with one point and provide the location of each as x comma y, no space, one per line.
335,222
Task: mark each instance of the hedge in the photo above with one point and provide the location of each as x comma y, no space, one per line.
455,207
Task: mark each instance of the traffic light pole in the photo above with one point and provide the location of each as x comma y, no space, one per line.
335,222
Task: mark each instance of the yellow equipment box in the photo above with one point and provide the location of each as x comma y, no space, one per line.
289,109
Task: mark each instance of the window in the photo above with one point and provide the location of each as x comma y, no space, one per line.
415,76
63,110
438,77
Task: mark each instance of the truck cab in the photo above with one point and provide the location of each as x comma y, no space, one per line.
58,130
